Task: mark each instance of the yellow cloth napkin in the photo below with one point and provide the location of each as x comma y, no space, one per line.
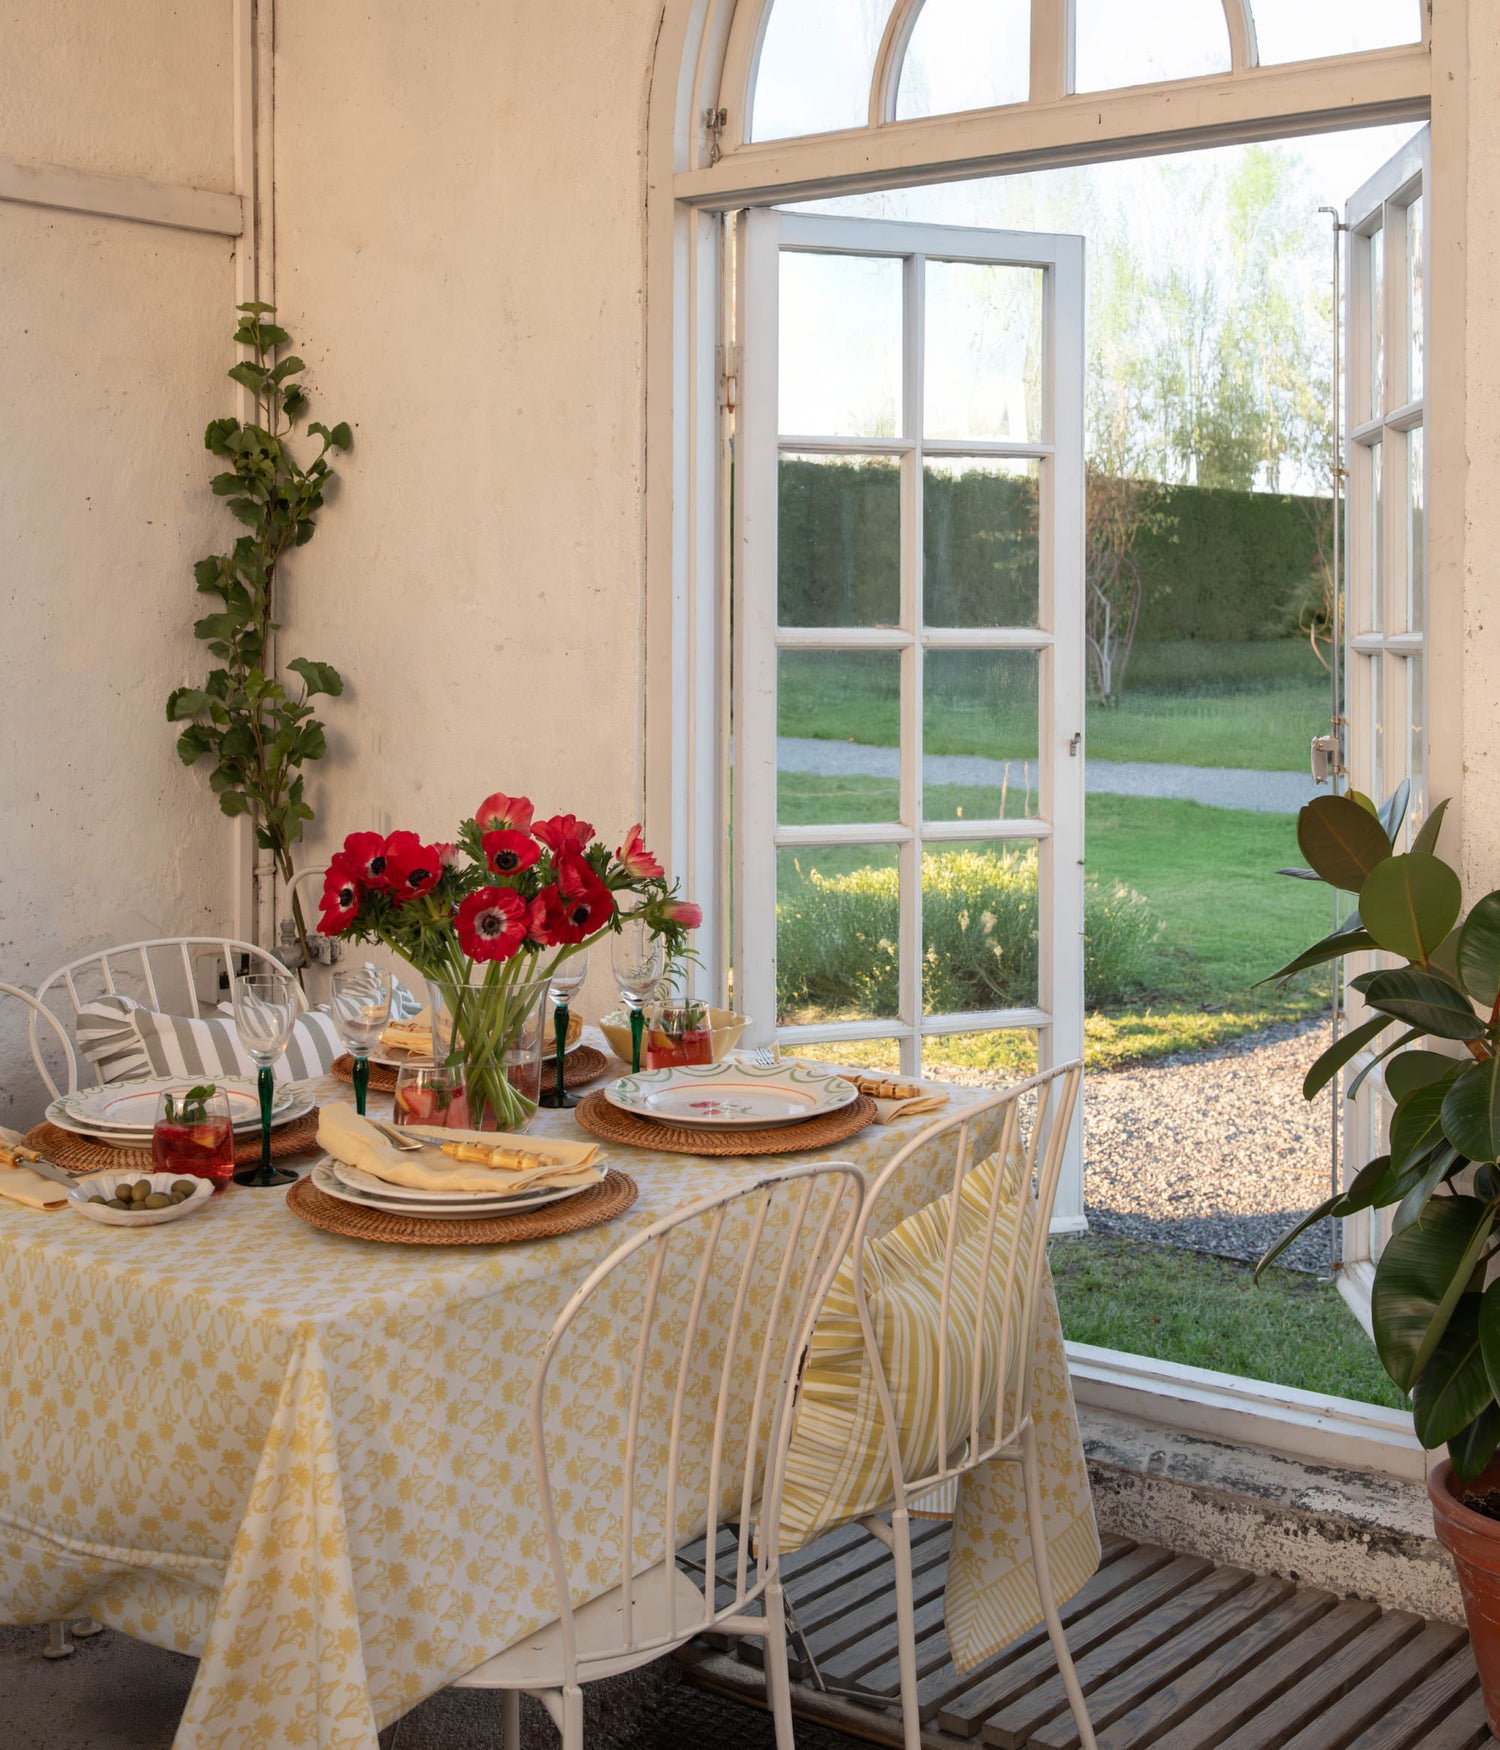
21,1185
414,1036
344,1134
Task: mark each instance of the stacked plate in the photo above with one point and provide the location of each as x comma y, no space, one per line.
733,1096
123,1114
348,1184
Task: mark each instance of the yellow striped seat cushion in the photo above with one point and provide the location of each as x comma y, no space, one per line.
838,1467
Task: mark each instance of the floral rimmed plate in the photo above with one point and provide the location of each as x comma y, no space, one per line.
733,1096
297,1105
328,1176
131,1106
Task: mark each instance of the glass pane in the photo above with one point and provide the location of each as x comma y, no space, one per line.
838,727
816,60
862,1054
1374,713
1416,531
1416,281
1377,326
838,554
980,556
963,56
837,928
983,366
840,345
979,735
1291,30
979,928
1416,741
1007,1056
1138,42
1377,538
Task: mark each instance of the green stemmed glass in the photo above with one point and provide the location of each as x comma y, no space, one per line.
265,1011
638,959
361,1005
565,982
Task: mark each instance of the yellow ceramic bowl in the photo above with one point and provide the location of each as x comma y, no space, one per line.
725,1030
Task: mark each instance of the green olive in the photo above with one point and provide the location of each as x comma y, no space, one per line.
96,1198
157,1200
181,1196
117,1203
184,1187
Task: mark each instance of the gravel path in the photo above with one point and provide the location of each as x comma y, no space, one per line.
1217,786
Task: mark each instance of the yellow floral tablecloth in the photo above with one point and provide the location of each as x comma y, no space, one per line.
306,1459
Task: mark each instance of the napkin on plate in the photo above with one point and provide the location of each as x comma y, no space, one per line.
414,1035
897,1099
344,1134
21,1185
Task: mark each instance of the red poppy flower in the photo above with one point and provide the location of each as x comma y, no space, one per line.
502,813
508,853
340,902
366,854
412,869
574,907
564,832
636,860
681,911
491,924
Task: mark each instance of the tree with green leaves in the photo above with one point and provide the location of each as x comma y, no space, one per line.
258,732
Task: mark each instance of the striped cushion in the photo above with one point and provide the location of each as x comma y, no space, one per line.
125,1041
838,1467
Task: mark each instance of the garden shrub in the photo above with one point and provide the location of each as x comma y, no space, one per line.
837,934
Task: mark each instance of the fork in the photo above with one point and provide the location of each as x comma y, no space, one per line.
764,1057
411,1144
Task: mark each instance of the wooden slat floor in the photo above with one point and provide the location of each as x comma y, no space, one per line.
1174,1652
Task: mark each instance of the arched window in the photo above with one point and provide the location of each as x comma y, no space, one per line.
1291,30
816,61
966,54
1143,42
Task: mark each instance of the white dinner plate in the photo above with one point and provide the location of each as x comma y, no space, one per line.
297,1105
733,1096
452,1209
368,1185
125,1106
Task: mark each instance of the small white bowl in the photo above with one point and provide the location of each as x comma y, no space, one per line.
725,1028
103,1185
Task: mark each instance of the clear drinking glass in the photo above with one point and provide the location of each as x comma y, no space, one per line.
432,1093
638,960
265,1011
566,980
194,1133
361,1007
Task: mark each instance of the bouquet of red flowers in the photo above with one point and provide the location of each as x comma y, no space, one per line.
487,921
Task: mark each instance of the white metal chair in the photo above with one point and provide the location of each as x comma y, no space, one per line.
158,973
768,1249
41,1020
1002,1429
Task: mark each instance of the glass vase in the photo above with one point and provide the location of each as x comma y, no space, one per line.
493,1028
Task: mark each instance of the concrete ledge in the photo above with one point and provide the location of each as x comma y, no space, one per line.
1351,1531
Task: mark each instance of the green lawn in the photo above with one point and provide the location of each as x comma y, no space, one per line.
1203,1312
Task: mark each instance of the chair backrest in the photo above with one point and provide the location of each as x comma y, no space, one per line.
690,1340
44,1031
158,973
1034,1117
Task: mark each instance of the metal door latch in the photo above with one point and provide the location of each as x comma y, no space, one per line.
1327,760
1075,742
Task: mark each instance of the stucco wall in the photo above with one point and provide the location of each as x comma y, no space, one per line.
116,341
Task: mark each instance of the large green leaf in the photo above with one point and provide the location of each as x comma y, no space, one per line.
1341,841
1363,1193
1443,1160
1427,835
1479,950
1471,1111
1349,938
1420,1276
1472,1448
1453,1388
1418,1069
1421,1000
1417,1127
1328,1065
1393,810
1489,1333
1374,1063
1410,903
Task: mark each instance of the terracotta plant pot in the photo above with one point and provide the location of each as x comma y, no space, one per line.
1473,1540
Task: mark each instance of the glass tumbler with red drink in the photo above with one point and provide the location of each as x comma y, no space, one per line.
194,1134
678,1033
432,1093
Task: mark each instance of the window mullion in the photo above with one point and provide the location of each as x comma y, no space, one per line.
911,668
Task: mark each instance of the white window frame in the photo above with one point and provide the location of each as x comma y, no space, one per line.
692,181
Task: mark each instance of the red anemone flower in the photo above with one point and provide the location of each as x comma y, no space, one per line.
366,855
508,853
636,860
412,869
340,903
491,924
447,853
574,907
564,832
502,813
681,911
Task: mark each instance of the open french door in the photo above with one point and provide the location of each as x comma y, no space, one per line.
1385,593
908,649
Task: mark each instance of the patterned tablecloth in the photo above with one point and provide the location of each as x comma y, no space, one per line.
306,1459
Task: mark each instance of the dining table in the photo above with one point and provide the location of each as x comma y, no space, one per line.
306,1458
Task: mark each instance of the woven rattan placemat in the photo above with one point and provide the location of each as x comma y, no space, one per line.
582,1064
595,1114
79,1155
612,1196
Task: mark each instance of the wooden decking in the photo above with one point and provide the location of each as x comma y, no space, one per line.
1174,1652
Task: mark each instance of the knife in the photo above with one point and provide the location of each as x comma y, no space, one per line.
18,1155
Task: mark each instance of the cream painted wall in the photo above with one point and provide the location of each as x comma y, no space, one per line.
116,344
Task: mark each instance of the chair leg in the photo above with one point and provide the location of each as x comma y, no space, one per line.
86,1626
906,1629
510,1720
58,1645
1036,1524
778,1681
572,1720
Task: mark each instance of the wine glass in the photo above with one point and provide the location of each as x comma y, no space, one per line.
566,979
361,1007
638,959
265,1011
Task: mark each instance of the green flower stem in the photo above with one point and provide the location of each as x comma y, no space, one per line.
361,1081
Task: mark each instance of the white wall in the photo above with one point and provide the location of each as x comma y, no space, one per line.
116,340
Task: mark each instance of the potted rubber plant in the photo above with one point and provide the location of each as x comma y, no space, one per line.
1433,1031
